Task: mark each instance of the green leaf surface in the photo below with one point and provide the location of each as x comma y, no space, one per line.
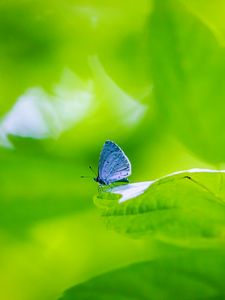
184,274
187,206
188,69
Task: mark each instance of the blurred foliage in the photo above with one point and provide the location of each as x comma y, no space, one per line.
148,75
182,274
188,68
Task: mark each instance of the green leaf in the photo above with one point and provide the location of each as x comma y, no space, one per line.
184,206
188,69
195,274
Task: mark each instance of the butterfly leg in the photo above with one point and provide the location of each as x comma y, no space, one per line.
99,188
111,186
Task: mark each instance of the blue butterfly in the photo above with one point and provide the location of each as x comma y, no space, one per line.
114,166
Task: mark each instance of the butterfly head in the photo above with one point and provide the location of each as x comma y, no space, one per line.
99,180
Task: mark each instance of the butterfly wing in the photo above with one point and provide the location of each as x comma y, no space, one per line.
113,164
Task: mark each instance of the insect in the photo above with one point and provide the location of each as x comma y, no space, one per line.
114,166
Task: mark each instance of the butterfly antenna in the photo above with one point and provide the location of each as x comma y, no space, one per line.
90,167
85,176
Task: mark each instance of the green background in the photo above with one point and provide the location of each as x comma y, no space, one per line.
147,75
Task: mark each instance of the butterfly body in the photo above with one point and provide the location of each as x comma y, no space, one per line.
102,182
114,166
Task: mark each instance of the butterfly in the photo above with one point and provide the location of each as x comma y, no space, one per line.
114,166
